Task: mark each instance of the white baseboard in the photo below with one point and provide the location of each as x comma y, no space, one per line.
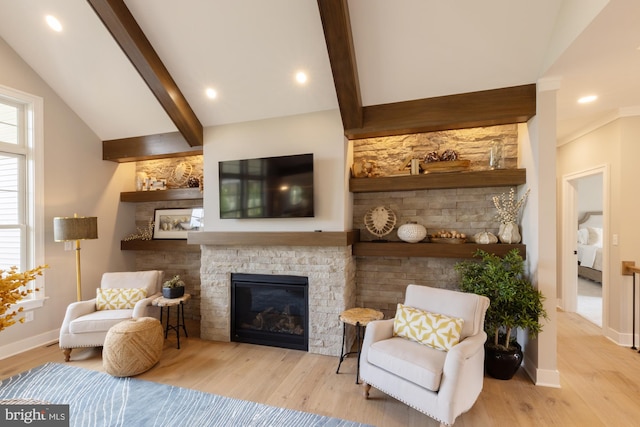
26,344
623,339
548,378
542,377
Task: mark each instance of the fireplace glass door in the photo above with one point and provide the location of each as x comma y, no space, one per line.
270,310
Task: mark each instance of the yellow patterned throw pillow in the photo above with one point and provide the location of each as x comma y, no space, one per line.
119,298
432,329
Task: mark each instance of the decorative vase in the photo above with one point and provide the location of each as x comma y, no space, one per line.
509,233
412,232
495,155
485,238
140,180
173,292
503,364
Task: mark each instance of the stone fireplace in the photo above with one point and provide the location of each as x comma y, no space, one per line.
270,309
329,268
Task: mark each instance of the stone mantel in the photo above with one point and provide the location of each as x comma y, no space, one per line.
277,238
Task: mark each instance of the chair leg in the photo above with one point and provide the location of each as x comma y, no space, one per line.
67,354
365,390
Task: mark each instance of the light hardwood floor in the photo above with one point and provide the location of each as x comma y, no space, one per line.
600,382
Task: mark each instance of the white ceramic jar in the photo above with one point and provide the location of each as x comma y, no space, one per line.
412,232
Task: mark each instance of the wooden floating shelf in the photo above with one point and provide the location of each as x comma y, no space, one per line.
323,238
432,250
158,245
161,195
467,179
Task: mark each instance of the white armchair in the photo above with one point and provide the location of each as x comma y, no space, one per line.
441,384
86,326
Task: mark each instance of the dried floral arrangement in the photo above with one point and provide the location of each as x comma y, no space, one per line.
507,206
142,234
11,282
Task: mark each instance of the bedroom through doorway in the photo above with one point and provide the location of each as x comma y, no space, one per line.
584,255
590,248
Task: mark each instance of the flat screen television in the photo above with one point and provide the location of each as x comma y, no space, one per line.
270,187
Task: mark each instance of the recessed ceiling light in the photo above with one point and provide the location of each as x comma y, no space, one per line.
301,77
587,99
211,93
53,23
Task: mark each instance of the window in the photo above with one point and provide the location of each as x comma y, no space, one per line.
21,216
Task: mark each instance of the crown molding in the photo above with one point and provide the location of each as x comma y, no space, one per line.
602,121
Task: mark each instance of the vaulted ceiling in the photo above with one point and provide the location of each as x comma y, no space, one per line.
250,50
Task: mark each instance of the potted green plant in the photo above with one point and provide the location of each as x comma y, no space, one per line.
515,303
173,288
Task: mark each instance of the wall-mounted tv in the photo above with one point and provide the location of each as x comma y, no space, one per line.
270,187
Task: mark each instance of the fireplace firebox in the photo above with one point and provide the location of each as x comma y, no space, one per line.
270,310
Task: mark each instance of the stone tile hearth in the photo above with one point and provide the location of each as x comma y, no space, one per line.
332,289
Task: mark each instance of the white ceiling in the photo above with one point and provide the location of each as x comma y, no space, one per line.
250,50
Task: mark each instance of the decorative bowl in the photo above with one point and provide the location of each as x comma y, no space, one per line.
449,240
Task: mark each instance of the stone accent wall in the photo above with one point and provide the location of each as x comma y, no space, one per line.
466,210
381,282
388,153
185,264
331,274
168,169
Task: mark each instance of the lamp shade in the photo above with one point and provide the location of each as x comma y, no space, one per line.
75,228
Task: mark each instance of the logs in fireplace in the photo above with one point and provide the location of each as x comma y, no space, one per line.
270,310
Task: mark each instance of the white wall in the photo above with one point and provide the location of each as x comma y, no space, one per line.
77,180
537,155
318,133
589,194
614,145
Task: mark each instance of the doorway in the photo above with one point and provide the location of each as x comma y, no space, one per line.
585,243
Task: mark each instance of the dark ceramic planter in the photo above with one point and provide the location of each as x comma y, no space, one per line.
502,364
173,292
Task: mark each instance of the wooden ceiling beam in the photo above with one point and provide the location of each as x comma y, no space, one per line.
475,109
337,34
119,21
158,146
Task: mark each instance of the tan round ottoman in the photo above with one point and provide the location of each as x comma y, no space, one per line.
132,347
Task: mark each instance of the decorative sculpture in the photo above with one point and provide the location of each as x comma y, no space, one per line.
380,221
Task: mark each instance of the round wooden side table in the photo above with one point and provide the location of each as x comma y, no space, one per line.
360,318
163,302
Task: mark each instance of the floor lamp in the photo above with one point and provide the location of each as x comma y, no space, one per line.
67,229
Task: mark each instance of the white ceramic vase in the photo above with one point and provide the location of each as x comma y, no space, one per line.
412,232
509,233
140,178
485,238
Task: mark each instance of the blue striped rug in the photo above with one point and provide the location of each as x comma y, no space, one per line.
98,399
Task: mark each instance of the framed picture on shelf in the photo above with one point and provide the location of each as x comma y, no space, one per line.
176,223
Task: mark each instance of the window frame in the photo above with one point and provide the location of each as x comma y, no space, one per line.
31,125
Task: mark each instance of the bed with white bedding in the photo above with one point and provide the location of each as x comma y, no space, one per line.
590,246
